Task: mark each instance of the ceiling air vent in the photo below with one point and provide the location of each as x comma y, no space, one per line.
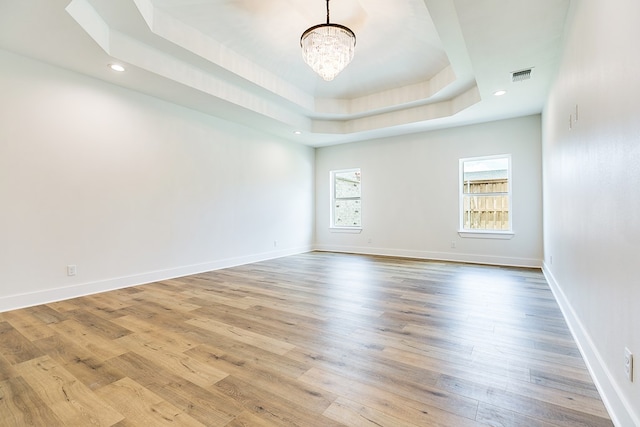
518,76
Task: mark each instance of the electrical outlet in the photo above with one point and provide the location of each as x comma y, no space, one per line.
628,364
71,270
275,243
453,245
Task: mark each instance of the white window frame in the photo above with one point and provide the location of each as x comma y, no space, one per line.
332,196
485,233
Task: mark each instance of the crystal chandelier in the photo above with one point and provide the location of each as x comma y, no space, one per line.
328,48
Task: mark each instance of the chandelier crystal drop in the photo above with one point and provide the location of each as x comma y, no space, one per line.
328,48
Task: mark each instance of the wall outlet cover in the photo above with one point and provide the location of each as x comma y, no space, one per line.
628,364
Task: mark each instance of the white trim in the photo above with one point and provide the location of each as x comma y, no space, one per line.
461,193
435,256
13,302
620,410
353,230
482,234
332,199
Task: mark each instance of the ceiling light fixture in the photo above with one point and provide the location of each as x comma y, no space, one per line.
500,92
328,48
116,67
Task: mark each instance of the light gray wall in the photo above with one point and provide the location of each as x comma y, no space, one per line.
592,193
410,193
133,189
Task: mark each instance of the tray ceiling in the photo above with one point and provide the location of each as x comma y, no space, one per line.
419,64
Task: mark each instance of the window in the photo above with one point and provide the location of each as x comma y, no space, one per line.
485,194
345,198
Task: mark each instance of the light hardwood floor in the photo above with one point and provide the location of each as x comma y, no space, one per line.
317,339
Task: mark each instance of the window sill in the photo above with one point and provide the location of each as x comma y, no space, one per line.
480,234
345,230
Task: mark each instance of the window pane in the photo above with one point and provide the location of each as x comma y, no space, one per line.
486,176
347,184
486,212
347,213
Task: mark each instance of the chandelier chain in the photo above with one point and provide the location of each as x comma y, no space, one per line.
327,11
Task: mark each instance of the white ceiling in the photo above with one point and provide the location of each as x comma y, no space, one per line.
419,64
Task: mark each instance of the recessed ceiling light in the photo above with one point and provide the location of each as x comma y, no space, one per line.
500,92
116,67
297,132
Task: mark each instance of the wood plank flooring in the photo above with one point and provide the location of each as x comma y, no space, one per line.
318,339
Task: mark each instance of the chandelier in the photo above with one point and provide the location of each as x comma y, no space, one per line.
328,48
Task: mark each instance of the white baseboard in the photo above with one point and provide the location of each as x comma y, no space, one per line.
620,410
13,302
436,256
